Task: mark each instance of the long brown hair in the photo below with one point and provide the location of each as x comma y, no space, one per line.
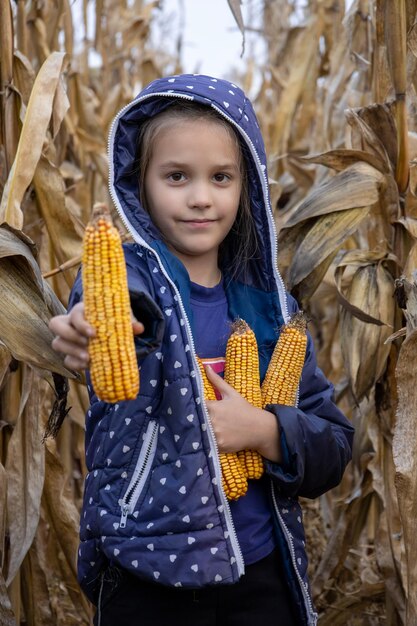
242,238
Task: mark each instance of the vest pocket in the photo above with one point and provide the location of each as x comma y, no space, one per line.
141,472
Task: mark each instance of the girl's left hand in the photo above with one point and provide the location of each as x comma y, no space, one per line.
238,425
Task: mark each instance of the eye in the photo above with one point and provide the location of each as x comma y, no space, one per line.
220,177
176,177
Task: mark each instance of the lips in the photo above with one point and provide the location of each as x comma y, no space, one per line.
198,221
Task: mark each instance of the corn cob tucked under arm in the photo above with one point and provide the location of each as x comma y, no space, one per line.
242,373
284,370
113,365
234,480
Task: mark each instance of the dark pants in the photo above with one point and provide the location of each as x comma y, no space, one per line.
259,598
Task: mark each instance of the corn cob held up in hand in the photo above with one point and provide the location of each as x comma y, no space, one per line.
234,480
113,365
242,373
284,370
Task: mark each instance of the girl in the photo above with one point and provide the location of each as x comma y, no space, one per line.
160,543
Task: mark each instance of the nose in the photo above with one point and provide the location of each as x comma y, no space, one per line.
199,195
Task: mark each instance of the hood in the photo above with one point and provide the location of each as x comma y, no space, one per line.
228,100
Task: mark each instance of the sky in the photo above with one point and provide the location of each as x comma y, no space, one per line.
212,40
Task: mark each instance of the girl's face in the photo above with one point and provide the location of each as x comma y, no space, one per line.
192,188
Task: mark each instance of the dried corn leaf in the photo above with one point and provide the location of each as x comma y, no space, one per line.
7,617
8,96
360,258
410,224
5,358
411,263
60,106
385,527
135,29
79,402
24,75
63,517
371,291
62,513
356,186
32,137
305,289
405,450
373,130
388,541
3,509
65,232
341,159
87,106
340,93
27,305
304,41
111,105
323,239
25,467
235,7
35,592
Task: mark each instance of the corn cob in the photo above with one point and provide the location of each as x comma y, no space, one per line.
284,370
113,365
242,373
234,480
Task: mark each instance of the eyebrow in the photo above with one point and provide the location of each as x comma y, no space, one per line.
179,165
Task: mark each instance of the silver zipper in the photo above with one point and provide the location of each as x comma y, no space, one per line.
306,596
141,472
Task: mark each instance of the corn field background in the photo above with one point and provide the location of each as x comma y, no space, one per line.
336,98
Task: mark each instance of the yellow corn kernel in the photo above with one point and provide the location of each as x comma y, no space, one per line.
282,378
242,373
234,480
113,365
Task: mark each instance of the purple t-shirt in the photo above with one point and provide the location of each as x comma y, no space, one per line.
251,513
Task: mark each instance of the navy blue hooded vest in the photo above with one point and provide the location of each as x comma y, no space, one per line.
153,501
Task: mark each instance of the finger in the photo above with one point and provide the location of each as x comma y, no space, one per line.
137,326
73,326
218,382
73,363
70,349
78,321
61,326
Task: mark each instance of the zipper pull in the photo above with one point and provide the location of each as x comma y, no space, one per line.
125,511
